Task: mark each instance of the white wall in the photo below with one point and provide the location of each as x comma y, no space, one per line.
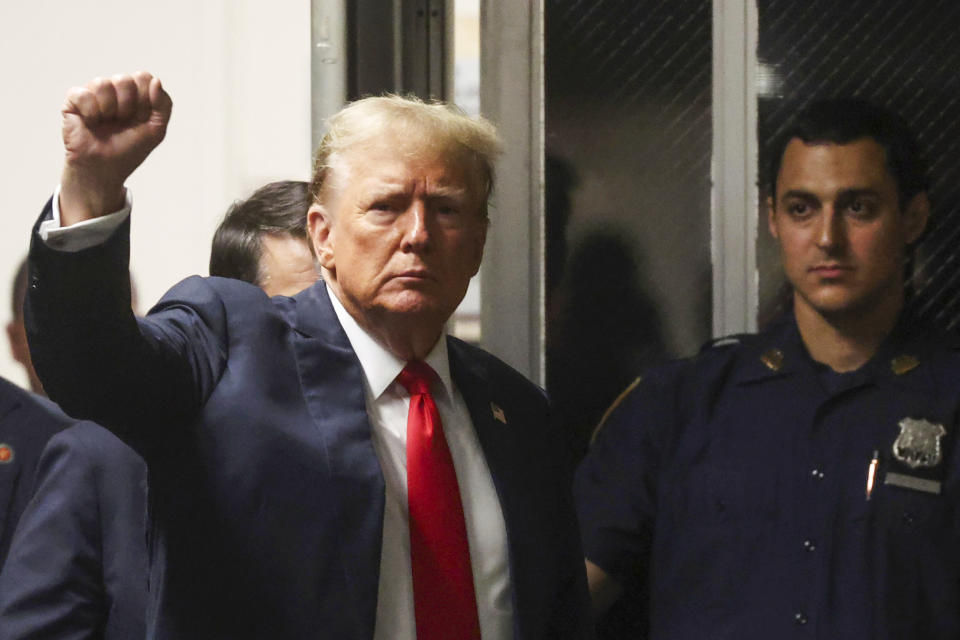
239,75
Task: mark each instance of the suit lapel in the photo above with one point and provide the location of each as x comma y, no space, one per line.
332,384
505,451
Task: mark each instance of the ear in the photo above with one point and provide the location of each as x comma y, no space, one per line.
18,343
915,217
320,228
771,219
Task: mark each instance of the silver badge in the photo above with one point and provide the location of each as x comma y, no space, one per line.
918,444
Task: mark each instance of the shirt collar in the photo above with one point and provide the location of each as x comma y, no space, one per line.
380,366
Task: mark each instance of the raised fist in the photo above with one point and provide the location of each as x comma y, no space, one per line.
109,127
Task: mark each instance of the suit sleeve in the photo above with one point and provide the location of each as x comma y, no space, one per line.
51,585
99,362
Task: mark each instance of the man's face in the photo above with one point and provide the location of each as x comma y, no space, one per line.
286,265
838,222
401,235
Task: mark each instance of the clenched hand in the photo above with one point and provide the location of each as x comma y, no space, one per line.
110,126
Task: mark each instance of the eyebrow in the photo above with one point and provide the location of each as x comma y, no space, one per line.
383,190
852,193
846,193
394,189
447,192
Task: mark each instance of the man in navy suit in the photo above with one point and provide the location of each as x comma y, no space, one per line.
77,566
26,423
78,562
276,430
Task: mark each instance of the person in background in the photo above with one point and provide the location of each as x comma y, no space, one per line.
77,566
802,482
263,240
16,332
27,422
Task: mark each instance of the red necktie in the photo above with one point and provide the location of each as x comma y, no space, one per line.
445,605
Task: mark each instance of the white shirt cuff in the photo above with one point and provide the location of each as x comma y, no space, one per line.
82,235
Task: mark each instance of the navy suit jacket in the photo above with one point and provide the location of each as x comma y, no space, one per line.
266,495
27,421
77,567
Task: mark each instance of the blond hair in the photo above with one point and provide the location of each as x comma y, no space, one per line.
425,127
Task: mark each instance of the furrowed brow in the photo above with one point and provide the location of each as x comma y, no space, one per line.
384,190
448,192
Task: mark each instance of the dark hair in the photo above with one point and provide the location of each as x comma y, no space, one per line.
277,208
844,120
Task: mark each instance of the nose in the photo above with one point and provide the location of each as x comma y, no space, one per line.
416,236
830,233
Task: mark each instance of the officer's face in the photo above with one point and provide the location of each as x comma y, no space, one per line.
402,234
841,232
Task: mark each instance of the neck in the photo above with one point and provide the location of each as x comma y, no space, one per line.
845,341
407,336
408,343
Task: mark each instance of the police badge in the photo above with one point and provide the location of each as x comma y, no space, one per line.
918,444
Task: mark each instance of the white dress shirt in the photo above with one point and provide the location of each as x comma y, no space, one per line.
387,406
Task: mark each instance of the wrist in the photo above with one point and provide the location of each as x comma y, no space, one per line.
84,198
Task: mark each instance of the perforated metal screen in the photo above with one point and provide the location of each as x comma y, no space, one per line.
628,143
903,54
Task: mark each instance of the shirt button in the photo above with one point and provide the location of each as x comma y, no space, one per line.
809,545
799,618
816,474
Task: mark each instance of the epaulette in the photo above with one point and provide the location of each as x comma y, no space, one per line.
726,341
613,406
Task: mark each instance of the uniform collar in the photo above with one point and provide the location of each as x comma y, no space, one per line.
776,352
380,366
779,351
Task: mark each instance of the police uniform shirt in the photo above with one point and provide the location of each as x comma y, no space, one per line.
735,483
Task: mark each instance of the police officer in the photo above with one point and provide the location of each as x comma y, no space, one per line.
802,482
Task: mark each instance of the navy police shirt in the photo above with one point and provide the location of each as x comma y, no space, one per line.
736,484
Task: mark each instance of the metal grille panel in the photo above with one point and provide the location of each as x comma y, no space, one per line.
628,141
902,54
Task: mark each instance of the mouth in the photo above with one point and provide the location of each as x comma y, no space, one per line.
830,270
414,275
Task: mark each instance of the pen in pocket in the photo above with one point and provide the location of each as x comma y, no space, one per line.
872,472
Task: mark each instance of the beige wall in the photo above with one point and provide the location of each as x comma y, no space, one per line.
238,72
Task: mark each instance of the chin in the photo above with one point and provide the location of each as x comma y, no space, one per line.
828,303
850,306
414,306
